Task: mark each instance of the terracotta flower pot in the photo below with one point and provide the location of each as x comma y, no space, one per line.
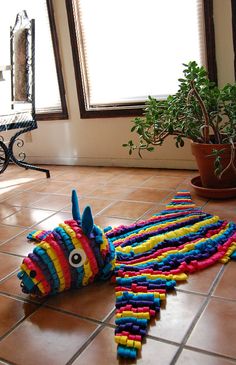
202,153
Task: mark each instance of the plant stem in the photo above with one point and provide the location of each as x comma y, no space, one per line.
231,162
204,112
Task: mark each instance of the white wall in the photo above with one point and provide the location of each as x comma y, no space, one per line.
99,141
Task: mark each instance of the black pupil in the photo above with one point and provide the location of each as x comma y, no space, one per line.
76,258
33,273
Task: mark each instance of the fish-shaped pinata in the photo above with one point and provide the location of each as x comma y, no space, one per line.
148,258
72,255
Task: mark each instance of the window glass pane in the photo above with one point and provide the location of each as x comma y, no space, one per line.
46,82
135,48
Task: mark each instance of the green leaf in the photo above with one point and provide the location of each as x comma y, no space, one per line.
150,149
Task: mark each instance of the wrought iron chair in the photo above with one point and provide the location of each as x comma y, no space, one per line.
21,115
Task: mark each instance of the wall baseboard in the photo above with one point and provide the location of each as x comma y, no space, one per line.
118,162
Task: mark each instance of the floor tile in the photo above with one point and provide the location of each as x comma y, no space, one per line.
216,329
14,180
157,208
174,172
52,202
18,245
111,192
80,187
103,351
7,193
163,182
225,214
77,172
103,221
223,203
12,311
130,180
7,232
201,281
49,186
24,198
226,287
8,264
6,210
129,210
148,195
53,221
94,178
140,171
189,357
46,337
20,183
26,217
97,205
176,317
94,301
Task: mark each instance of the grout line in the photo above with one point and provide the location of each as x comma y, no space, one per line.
5,362
9,275
103,209
110,315
11,254
223,299
205,352
64,311
20,299
16,296
198,315
163,340
12,237
86,344
17,324
199,294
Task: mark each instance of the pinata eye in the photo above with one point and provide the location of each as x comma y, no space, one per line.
77,257
33,273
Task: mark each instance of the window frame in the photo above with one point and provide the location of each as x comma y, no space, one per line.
47,115
134,109
233,7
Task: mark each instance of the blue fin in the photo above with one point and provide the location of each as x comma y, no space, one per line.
87,221
75,206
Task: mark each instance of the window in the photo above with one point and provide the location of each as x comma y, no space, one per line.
49,86
233,3
126,50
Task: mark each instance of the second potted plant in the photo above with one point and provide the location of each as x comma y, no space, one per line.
199,111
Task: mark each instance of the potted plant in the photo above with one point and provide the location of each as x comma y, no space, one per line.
199,111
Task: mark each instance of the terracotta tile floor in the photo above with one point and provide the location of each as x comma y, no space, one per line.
197,323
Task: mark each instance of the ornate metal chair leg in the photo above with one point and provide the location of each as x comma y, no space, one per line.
20,162
4,157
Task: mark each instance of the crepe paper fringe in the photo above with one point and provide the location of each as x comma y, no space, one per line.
154,254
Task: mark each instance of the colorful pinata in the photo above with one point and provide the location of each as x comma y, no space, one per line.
147,258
